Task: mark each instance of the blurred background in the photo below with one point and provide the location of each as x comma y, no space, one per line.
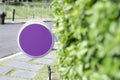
25,9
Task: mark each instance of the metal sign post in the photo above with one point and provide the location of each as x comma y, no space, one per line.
49,72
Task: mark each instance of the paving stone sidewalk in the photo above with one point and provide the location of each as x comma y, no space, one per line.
22,67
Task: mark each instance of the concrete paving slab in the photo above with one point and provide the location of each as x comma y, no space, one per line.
22,65
25,74
4,70
9,78
52,56
23,58
44,61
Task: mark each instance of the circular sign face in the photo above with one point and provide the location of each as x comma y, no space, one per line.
35,39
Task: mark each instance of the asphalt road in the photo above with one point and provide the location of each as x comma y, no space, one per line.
8,38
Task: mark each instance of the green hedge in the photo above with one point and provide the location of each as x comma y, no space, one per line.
89,39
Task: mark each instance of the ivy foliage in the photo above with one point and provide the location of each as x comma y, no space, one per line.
89,39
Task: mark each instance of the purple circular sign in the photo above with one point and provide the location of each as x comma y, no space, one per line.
35,39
